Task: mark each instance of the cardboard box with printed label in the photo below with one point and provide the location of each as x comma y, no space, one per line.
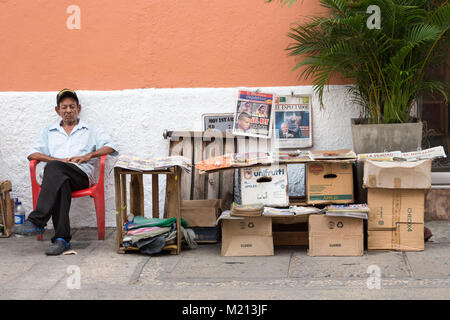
396,199
404,237
329,182
249,236
390,206
335,236
201,213
265,184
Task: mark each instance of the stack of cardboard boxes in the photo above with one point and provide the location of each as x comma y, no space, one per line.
252,236
396,193
332,183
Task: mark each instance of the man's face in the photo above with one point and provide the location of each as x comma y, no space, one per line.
244,123
68,110
284,127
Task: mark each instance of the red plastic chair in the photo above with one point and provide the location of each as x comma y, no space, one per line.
97,191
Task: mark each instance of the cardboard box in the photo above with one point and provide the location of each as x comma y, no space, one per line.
206,234
201,213
249,236
390,206
264,184
335,236
405,237
290,231
329,182
397,175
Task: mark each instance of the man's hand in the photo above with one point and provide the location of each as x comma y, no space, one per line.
80,159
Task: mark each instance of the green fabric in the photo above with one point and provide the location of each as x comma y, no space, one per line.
140,222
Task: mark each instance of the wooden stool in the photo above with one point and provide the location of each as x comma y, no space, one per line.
6,208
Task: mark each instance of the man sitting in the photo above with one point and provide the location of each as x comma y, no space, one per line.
69,147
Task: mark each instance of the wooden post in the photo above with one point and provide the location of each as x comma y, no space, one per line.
137,195
119,222
155,196
174,200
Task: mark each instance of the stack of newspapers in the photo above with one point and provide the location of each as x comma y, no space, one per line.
249,210
352,210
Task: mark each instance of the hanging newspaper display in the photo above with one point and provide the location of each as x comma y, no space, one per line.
222,122
253,114
292,122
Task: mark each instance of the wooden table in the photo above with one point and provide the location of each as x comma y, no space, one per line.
136,192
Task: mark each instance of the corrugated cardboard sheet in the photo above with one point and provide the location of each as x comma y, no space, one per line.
250,236
335,236
397,175
390,206
329,182
405,237
200,213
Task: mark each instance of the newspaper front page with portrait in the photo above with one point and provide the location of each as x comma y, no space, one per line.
253,114
292,122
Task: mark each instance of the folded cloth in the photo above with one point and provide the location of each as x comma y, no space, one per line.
148,232
152,245
189,236
141,222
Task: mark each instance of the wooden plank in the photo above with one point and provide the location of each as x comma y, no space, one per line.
175,149
186,178
119,222
241,144
226,177
123,189
213,147
174,200
155,196
9,221
5,186
137,195
199,191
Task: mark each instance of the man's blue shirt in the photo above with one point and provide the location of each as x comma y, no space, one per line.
84,138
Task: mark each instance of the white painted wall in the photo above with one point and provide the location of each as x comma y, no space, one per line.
136,120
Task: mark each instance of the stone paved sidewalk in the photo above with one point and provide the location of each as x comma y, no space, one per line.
26,273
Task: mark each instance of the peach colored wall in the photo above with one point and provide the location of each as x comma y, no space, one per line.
147,44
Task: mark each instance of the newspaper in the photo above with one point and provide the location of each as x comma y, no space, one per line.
383,156
146,164
269,211
293,156
353,211
253,114
332,154
292,122
432,153
234,160
306,210
220,122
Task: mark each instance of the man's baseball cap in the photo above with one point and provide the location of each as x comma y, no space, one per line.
64,93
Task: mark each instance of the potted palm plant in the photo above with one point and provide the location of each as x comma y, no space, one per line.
386,64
